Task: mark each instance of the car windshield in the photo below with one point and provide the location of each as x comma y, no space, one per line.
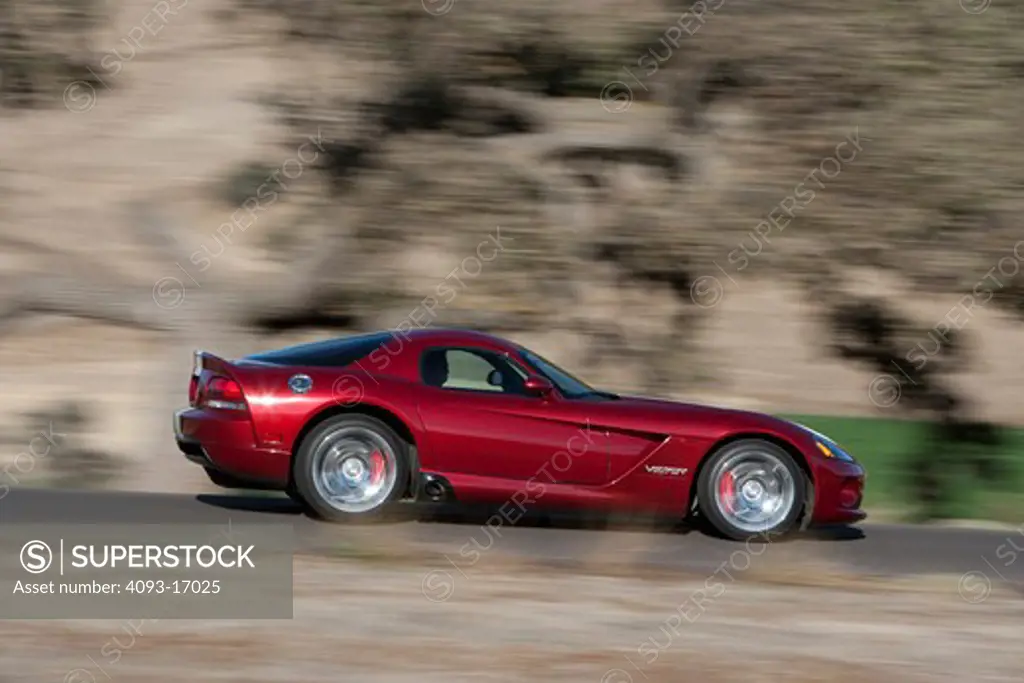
569,386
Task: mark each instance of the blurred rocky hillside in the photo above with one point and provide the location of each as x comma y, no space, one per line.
765,204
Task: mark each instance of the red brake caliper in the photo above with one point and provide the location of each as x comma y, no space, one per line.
727,490
376,467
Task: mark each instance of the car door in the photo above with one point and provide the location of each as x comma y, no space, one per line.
479,421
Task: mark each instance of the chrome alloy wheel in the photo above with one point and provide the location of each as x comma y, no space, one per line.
354,469
754,490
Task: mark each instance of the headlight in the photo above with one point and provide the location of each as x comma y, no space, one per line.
828,447
831,450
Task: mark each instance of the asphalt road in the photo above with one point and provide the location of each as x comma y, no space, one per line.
870,548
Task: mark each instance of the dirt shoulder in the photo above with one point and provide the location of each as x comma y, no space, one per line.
356,620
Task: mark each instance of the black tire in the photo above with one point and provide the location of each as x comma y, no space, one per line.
783,470
314,447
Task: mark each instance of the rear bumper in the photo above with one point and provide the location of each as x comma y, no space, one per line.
838,492
224,441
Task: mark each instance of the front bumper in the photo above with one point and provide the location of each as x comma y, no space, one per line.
838,492
224,441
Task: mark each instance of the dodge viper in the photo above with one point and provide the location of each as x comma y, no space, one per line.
351,426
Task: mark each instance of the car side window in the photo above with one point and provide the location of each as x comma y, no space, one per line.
468,369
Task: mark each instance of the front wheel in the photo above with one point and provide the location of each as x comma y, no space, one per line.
751,487
351,466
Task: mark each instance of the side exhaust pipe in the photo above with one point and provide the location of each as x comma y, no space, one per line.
436,488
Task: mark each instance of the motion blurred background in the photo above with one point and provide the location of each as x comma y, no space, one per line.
810,208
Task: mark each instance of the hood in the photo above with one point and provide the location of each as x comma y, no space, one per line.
697,420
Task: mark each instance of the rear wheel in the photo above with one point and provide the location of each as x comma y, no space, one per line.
751,488
351,466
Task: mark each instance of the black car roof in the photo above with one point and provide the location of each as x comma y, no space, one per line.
333,351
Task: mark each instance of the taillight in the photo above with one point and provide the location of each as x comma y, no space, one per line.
224,393
193,390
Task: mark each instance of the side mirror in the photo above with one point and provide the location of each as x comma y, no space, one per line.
538,386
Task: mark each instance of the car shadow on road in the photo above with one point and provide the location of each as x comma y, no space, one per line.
425,513
268,504
540,519
834,532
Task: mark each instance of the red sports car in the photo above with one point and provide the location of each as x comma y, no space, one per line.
350,426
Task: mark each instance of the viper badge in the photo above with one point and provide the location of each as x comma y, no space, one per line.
666,471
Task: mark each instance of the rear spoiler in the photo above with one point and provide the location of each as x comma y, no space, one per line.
204,360
225,392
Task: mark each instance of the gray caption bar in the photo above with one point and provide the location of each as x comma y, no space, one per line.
153,571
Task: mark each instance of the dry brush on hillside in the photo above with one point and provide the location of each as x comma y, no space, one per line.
796,141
